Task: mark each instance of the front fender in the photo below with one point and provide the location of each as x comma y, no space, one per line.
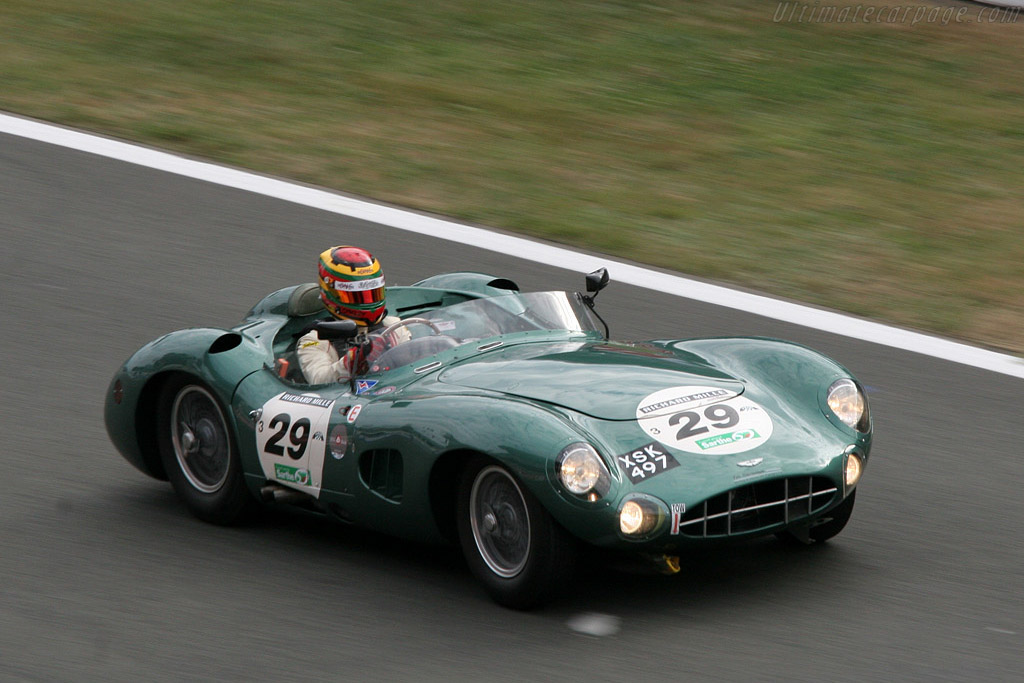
524,436
784,375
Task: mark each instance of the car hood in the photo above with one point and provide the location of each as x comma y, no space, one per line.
607,380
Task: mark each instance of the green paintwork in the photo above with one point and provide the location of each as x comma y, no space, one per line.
520,402
604,380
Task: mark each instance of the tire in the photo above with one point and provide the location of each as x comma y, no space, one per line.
511,543
824,527
197,447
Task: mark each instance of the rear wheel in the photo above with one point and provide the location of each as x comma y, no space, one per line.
198,451
511,543
824,527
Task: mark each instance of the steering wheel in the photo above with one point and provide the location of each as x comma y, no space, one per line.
411,321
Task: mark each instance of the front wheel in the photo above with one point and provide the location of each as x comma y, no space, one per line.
198,451
511,543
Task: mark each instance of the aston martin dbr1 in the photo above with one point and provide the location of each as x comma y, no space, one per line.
505,422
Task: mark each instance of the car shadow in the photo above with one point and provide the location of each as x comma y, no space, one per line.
710,576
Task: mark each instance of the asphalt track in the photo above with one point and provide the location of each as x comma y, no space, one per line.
104,576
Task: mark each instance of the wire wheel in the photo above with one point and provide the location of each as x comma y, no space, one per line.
200,440
500,521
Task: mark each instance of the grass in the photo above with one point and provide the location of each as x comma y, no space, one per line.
876,168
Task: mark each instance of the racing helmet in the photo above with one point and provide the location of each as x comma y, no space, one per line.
352,285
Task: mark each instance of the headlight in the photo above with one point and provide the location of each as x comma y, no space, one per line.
631,518
848,402
582,472
640,516
854,468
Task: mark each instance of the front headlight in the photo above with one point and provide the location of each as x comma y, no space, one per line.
582,472
854,468
848,402
632,518
641,516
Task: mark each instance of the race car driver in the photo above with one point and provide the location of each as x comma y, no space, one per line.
351,288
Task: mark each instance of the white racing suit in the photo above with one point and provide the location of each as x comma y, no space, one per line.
321,363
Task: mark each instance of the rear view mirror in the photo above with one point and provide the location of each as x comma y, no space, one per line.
597,280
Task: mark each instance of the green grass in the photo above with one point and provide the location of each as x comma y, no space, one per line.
872,168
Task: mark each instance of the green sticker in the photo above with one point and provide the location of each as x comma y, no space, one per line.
726,439
292,475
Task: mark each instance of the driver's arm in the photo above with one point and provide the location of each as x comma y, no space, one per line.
400,335
319,361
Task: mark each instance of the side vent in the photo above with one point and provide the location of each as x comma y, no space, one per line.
225,342
381,472
503,283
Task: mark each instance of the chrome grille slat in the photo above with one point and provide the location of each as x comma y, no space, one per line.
756,506
786,513
760,507
728,520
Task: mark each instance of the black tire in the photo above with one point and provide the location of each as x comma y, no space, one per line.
197,447
824,527
511,543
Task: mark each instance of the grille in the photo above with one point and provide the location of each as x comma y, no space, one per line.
758,506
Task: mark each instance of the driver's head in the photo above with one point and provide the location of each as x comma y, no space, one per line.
352,285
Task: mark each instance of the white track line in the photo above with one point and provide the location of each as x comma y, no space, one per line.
522,248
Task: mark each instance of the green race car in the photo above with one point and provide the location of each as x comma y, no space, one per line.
506,422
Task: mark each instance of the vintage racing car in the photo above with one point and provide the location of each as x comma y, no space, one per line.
507,423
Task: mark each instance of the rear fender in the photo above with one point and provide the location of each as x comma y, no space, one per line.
219,358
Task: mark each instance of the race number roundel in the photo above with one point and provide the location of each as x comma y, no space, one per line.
700,419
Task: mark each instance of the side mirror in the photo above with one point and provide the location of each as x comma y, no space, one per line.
336,329
597,280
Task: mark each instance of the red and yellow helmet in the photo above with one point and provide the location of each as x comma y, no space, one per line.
352,285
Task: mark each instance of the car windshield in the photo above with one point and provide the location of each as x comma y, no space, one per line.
478,319
493,316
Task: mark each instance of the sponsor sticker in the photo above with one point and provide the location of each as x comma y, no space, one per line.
384,390
359,285
291,441
364,385
670,401
339,442
292,475
307,400
703,419
354,413
678,510
645,462
726,439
